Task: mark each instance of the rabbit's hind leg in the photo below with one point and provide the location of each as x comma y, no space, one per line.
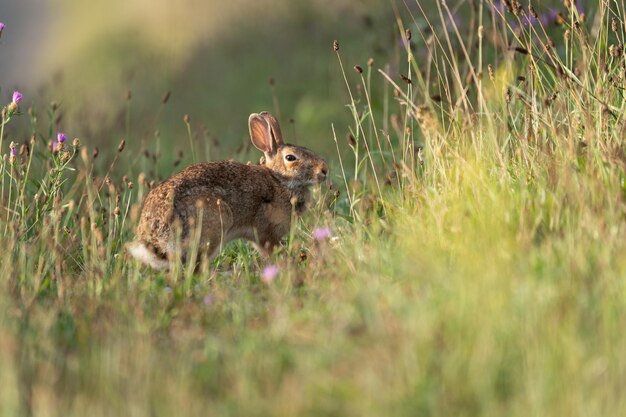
213,219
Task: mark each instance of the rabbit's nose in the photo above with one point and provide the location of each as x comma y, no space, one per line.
322,172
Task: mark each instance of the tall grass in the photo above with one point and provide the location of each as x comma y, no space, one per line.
477,265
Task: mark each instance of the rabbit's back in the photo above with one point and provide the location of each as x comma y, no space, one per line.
231,196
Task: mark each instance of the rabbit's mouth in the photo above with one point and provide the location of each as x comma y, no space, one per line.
294,184
321,177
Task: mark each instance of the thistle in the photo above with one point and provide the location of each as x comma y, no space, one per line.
17,97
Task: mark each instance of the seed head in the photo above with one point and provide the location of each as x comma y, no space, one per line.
521,50
12,152
614,25
76,143
336,45
65,156
616,50
95,153
516,7
370,62
358,69
186,119
120,147
408,34
166,97
492,75
405,79
84,155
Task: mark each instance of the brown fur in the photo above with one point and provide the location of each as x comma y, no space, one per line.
228,200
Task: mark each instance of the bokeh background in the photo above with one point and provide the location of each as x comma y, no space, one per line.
219,60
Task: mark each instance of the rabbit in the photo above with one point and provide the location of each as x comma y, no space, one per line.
227,200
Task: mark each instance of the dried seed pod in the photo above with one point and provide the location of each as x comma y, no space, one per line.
492,75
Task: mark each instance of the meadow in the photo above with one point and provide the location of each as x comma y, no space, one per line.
467,256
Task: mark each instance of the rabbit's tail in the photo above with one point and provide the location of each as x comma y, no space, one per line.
148,254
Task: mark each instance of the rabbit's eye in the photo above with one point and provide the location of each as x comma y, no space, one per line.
290,158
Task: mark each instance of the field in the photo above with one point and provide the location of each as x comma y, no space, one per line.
467,256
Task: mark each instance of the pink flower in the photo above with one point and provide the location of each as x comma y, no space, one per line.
61,137
322,233
1,27
17,97
269,273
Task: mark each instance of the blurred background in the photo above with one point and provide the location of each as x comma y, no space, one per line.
109,64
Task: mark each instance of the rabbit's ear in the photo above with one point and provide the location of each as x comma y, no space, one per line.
274,125
261,134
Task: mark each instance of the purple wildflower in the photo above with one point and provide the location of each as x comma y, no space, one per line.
58,145
269,273
1,27
12,152
322,233
17,97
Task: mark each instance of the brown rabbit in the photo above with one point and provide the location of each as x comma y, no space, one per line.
228,200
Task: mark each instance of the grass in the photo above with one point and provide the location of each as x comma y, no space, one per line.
477,265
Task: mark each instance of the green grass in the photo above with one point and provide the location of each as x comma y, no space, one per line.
477,267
